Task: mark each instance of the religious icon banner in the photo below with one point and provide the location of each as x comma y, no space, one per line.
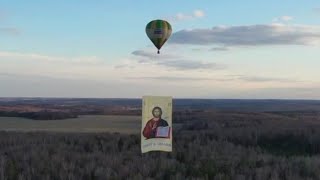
156,131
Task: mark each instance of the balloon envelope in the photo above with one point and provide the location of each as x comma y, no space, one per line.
158,32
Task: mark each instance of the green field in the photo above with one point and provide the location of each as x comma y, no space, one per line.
86,123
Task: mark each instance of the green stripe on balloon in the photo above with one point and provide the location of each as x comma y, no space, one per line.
149,25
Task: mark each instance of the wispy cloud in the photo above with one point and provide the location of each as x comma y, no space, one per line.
45,86
250,35
258,79
190,65
223,78
283,19
284,93
55,66
206,49
317,9
9,31
121,66
2,15
39,57
5,30
196,14
55,79
219,49
171,78
264,79
176,62
149,54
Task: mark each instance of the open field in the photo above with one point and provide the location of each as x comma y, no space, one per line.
85,123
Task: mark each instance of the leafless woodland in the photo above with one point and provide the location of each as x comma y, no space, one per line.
207,145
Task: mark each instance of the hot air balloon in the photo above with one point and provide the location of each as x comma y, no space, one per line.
158,32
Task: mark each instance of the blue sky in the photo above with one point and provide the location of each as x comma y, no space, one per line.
218,49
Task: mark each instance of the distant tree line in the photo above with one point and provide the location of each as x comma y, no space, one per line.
42,115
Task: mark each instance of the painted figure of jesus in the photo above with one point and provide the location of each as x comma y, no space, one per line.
150,129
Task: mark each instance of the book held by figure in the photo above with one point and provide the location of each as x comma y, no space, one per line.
163,132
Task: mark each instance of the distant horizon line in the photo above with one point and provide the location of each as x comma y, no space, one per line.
135,98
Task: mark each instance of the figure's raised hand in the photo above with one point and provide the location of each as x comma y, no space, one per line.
154,126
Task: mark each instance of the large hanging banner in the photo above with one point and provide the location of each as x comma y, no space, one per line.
156,131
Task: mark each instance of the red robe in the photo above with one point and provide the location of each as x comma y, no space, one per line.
147,131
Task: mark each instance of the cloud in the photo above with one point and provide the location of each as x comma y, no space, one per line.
210,49
122,66
317,10
3,14
265,79
39,57
23,79
197,49
12,31
9,31
149,54
311,93
18,85
283,19
90,67
190,65
219,49
223,78
257,79
171,78
286,18
183,78
250,35
196,14
174,61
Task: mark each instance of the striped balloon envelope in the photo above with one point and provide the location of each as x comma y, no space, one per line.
158,32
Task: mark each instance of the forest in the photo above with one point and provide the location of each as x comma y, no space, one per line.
208,145
41,115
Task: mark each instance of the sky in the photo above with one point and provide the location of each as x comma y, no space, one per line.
218,49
